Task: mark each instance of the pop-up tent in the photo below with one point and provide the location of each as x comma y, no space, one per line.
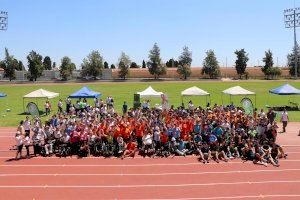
237,91
194,91
2,95
85,92
40,93
149,92
286,89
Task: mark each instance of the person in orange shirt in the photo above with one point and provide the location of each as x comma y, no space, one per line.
130,150
139,128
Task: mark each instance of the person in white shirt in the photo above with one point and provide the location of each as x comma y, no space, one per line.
191,105
27,125
27,142
60,106
47,107
19,140
284,120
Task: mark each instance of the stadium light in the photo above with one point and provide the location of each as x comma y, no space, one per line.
292,20
3,20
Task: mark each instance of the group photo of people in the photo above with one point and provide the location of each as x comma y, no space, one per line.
214,133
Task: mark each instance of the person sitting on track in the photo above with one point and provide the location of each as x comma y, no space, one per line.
130,149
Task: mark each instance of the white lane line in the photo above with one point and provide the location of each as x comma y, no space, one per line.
235,197
130,165
157,174
150,185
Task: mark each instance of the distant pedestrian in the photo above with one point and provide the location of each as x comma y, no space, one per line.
60,106
284,120
125,107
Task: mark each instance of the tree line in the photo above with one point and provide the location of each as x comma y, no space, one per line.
92,66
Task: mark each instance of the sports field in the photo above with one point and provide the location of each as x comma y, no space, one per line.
123,91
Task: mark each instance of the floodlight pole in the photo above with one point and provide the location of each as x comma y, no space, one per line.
295,46
292,20
3,20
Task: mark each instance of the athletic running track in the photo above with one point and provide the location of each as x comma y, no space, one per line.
148,178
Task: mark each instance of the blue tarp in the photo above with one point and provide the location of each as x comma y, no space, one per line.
2,95
85,92
285,90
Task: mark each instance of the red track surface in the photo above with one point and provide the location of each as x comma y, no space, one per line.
147,178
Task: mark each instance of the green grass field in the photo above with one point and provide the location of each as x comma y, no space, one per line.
124,92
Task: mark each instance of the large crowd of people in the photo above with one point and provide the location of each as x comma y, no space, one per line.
214,133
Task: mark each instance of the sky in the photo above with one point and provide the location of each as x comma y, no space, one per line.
74,28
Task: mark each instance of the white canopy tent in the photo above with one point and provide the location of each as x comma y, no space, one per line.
194,91
149,92
238,91
40,93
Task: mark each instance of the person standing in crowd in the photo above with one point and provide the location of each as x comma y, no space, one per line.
124,108
68,104
19,141
271,115
27,126
47,107
60,106
284,119
191,105
27,142
21,128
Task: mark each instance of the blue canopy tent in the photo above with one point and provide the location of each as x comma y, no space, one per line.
286,89
2,95
85,92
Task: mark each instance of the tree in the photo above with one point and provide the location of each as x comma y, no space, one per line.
144,64
241,62
53,65
47,63
112,66
124,64
35,65
172,63
268,60
291,61
106,66
185,61
92,65
9,64
134,65
21,66
154,64
211,65
66,68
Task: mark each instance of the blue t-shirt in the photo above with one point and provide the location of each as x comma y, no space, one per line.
218,131
197,128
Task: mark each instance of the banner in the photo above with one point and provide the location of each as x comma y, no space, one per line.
247,105
33,109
